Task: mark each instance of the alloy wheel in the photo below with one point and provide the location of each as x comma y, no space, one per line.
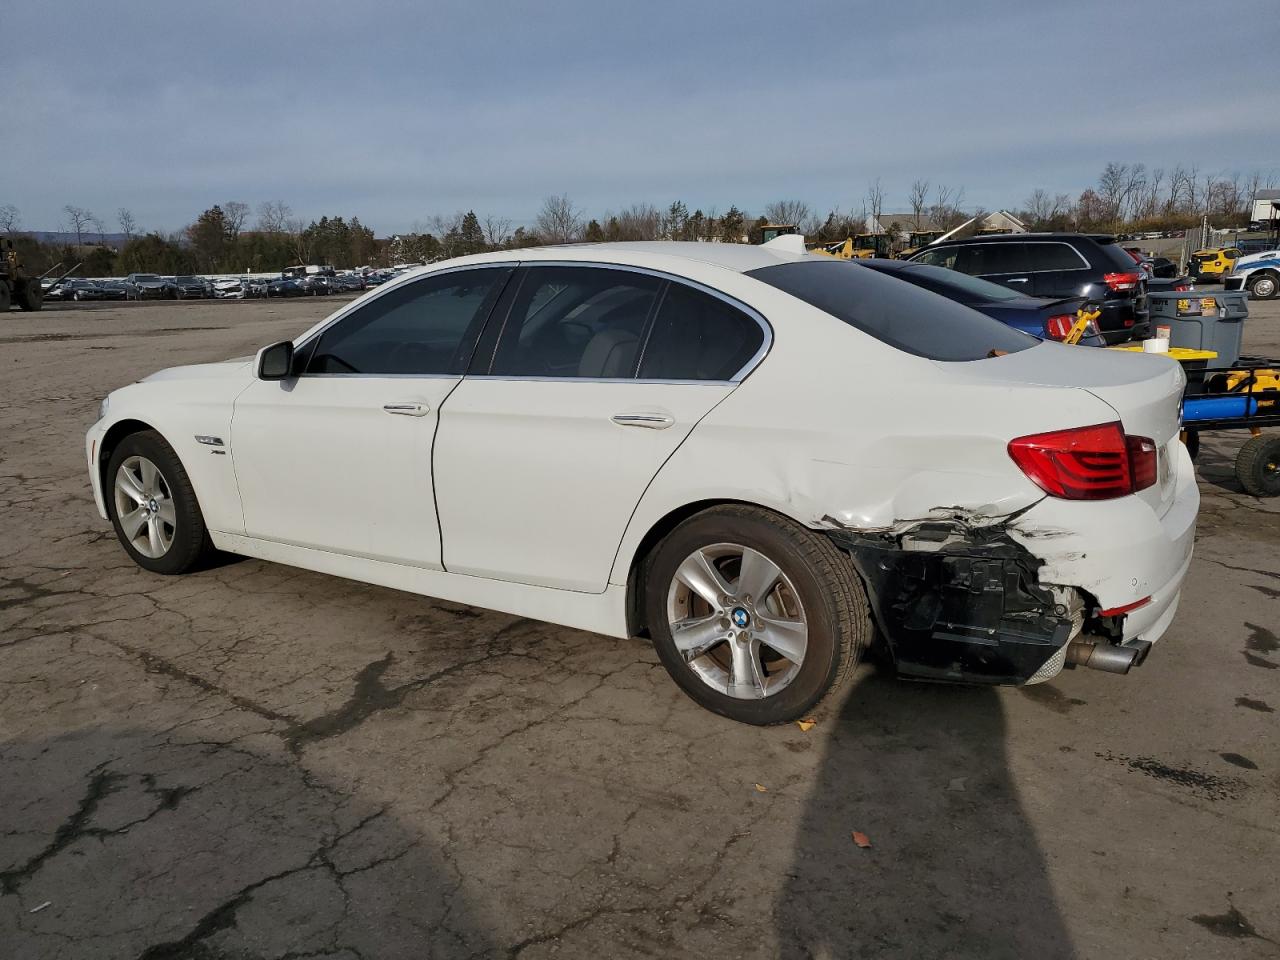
145,508
737,621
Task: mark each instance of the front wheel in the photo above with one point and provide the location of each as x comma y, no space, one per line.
31,295
153,506
1263,287
1258,466
754,616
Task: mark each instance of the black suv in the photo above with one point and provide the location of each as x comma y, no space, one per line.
190,288
1056,265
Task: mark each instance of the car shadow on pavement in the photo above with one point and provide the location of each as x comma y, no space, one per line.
953,868
157,846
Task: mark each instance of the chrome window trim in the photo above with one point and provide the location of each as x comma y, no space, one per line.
1084,263
542,379
752,362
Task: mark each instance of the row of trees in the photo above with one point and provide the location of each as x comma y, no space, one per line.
233,237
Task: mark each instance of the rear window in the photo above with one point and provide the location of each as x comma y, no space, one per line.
1115,256
893,311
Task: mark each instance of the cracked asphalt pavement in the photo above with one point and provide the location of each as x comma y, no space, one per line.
263,763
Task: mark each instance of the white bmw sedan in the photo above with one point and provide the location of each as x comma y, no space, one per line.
757,458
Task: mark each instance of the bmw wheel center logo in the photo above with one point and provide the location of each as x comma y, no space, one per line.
740,617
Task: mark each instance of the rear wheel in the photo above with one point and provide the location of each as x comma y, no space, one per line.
4,297
754,616
1264,287
153,506
31,295
1258,466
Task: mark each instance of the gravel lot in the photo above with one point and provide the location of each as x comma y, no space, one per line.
259,762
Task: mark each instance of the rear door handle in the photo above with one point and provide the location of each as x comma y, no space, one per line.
1017,280
650,420
407,409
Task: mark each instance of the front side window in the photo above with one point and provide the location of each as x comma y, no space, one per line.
983,259
699,337
424,327
576,322
902,315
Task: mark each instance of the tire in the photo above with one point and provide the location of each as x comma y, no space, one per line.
181,540
1264,287
4,297
31,295
817,590
1258,466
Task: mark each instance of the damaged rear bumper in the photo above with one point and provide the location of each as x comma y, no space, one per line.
955,602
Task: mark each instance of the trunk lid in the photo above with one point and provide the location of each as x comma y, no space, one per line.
1145,391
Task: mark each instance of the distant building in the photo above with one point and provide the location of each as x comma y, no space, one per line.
1266,207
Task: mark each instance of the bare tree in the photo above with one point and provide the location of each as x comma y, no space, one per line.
10,218
640,221
875,204
274,217
918,197
559,221
497,231
791,211
945,211
78,218
128,226
99,229
234,215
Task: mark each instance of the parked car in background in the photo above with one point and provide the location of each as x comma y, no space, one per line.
1041,317
1259,273
1213,263
285,288
82,290
229,288
757,458
54,290
118,290
1056,265
190,288
320,285
352,282
152,286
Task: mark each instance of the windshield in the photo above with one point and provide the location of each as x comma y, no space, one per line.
145,276
900,314
952,283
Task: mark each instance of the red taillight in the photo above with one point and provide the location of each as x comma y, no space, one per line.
1121,281
1182,287
1142,461
1086,463
1057,328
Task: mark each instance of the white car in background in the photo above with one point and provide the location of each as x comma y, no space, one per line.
749,455
1259,273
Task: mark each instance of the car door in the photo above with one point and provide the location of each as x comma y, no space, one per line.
339,457
597,377
1003,263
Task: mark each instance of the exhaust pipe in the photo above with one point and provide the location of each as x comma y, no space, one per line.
1102,656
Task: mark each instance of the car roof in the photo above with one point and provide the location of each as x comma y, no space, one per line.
1015,237
738,257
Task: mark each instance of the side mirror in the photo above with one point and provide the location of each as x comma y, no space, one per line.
276,361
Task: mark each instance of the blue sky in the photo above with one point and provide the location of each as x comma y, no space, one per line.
396,111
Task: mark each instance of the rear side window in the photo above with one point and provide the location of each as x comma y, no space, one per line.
900,314
1054,256
576,322
1115,258
424,327
980,259
699,337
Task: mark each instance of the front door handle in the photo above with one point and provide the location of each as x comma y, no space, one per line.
1016,280
408,409
650,420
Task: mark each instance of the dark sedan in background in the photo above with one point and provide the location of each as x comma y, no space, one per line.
1056,265
1044,317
